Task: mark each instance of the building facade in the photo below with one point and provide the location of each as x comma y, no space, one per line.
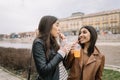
106,21
72,24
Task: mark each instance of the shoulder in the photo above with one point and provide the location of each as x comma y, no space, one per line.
38,43
37,40
101,55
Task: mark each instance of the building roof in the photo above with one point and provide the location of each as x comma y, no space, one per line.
102,13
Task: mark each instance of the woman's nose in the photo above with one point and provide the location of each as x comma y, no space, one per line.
80,35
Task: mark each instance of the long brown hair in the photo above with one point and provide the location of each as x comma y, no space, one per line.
44,29
93,38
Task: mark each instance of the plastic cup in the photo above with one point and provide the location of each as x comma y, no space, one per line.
76,53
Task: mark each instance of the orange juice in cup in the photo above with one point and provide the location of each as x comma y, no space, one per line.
76,53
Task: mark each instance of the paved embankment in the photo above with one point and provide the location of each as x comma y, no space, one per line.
6,75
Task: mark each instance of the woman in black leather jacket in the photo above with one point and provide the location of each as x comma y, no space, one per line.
47,53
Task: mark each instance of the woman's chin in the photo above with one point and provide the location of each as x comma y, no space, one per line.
82,42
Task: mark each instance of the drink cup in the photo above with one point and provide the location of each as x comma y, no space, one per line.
76,51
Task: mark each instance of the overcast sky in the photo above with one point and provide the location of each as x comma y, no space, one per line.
24,15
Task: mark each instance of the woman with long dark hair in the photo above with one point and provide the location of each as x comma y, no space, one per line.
47,53
90,62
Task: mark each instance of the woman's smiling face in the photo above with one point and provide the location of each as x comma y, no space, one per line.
84,36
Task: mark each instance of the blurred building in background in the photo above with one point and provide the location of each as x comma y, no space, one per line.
104,22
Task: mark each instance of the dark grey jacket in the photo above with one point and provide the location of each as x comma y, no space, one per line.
47,69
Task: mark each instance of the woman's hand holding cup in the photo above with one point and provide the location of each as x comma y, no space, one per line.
75,49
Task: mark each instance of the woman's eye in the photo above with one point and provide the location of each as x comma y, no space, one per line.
84,32
57,25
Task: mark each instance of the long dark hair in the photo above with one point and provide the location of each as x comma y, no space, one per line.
93,38
44,30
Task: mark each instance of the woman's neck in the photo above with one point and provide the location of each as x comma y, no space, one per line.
86,48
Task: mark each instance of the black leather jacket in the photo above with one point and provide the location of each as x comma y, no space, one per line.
47,69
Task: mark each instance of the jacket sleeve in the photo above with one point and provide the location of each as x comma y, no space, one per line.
68,60
100,70
43,67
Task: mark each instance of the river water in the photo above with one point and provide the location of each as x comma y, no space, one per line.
16,45
29,45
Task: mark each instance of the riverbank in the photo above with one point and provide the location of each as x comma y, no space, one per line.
18,40
7,75
108,74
